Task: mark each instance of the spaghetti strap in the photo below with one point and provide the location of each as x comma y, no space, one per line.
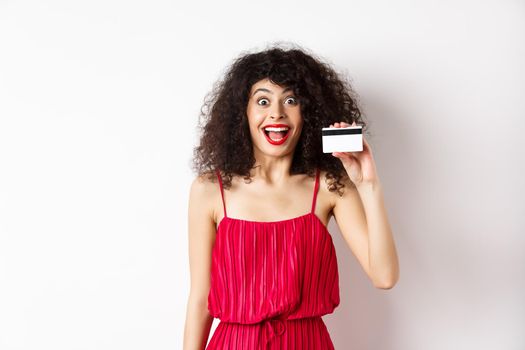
315,190
222,191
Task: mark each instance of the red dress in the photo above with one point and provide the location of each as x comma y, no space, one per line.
272,281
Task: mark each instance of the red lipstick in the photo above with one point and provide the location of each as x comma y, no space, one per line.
281,140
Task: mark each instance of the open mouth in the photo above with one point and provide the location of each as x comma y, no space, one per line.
276,135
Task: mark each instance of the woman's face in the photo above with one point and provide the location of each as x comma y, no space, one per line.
277,108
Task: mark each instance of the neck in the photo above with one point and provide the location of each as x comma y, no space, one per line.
273,169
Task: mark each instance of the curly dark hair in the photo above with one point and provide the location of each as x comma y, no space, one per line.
325,98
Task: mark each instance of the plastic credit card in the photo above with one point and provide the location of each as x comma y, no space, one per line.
348,139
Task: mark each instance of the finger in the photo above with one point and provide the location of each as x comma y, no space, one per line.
348,154
365,142
366,146
341,154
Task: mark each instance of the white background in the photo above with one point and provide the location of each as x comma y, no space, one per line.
98,113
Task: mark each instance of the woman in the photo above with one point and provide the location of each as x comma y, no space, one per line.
261,257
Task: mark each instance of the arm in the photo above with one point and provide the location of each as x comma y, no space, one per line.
201,237
362,219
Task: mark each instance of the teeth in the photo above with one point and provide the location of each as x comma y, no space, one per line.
276,129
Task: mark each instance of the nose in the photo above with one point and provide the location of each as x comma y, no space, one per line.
277,112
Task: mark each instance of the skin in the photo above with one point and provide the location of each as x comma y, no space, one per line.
275,195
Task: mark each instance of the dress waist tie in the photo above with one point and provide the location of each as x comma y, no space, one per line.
271,328
275,326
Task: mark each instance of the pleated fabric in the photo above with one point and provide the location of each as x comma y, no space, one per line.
272,281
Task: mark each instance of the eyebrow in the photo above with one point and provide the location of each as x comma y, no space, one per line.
266,90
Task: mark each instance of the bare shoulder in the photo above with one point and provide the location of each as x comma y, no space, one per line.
332,198
202,194
203,182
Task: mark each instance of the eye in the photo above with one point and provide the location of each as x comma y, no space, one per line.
260,101
292,100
